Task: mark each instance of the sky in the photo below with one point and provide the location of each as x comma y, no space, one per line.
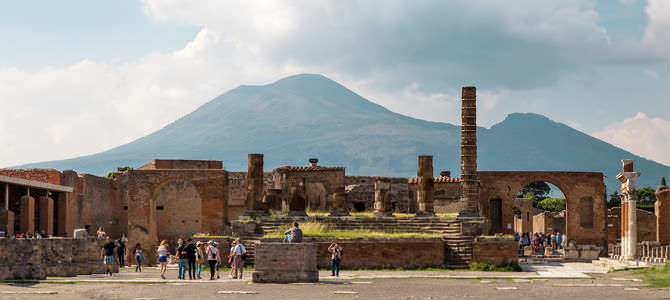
80,77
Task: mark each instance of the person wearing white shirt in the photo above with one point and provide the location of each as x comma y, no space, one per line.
239,255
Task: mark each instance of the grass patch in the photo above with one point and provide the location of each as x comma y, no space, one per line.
658,276
311,229
503,267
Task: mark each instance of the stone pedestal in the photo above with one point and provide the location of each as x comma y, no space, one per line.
80,233
629,212
27,214
285,263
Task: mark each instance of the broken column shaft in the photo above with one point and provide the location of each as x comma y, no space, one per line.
425,185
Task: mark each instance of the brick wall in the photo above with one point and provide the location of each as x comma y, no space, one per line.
646,225
495,250
182,164
44,175
381,252
37,259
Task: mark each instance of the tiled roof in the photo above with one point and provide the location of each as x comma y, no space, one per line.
308,168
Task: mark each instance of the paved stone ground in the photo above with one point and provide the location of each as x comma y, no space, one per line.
579,281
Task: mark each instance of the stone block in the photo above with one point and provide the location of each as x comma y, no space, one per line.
527,251
80,233
548,251
285,263
495,251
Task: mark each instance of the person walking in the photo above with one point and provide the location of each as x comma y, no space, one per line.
231,259
212,258
558,239
200,258
295,233
564,241
163,253
190,256
139,257
182,260
107,255
121,252
239,255
335,258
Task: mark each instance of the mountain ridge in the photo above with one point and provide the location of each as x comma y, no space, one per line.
310,115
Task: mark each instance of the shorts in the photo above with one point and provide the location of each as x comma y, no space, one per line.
162,259
109,260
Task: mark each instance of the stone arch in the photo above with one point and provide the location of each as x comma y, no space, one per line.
178,208
574,185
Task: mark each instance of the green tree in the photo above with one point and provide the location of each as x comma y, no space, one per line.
646,195
614,200
552,204
539,189
663,181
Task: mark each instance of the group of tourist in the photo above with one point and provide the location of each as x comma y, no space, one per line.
26,235
539,241
191,255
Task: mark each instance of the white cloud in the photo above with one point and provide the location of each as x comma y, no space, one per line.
657,32
410,58
58,113
645,136
627,2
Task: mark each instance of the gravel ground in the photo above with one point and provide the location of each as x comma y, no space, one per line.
352,285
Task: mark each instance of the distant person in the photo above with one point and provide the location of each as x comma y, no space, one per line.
564,241
107,255
139,257
295,233
239,255
200,257
559,238
182,260
335,258
212,258
163,253
101,233
190,257
121,252
231,259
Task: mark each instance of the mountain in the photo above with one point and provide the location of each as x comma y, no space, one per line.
308,115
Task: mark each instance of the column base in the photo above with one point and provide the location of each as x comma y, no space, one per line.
424,214
255,213
339,213
382,214
297,213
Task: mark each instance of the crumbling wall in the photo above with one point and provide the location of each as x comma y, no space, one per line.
646,225
495,250
44,175
360,189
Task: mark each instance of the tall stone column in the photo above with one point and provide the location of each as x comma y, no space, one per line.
662,209
425,186
255,185
382,199
629,192
27,207
469,182
46,213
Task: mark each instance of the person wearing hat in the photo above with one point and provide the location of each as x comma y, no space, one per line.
199,258
190,256
239,255
213,257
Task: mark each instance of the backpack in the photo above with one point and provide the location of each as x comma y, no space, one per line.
244,253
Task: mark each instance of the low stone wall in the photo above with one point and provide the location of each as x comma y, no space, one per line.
37,259
495,250
381,252
285,263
